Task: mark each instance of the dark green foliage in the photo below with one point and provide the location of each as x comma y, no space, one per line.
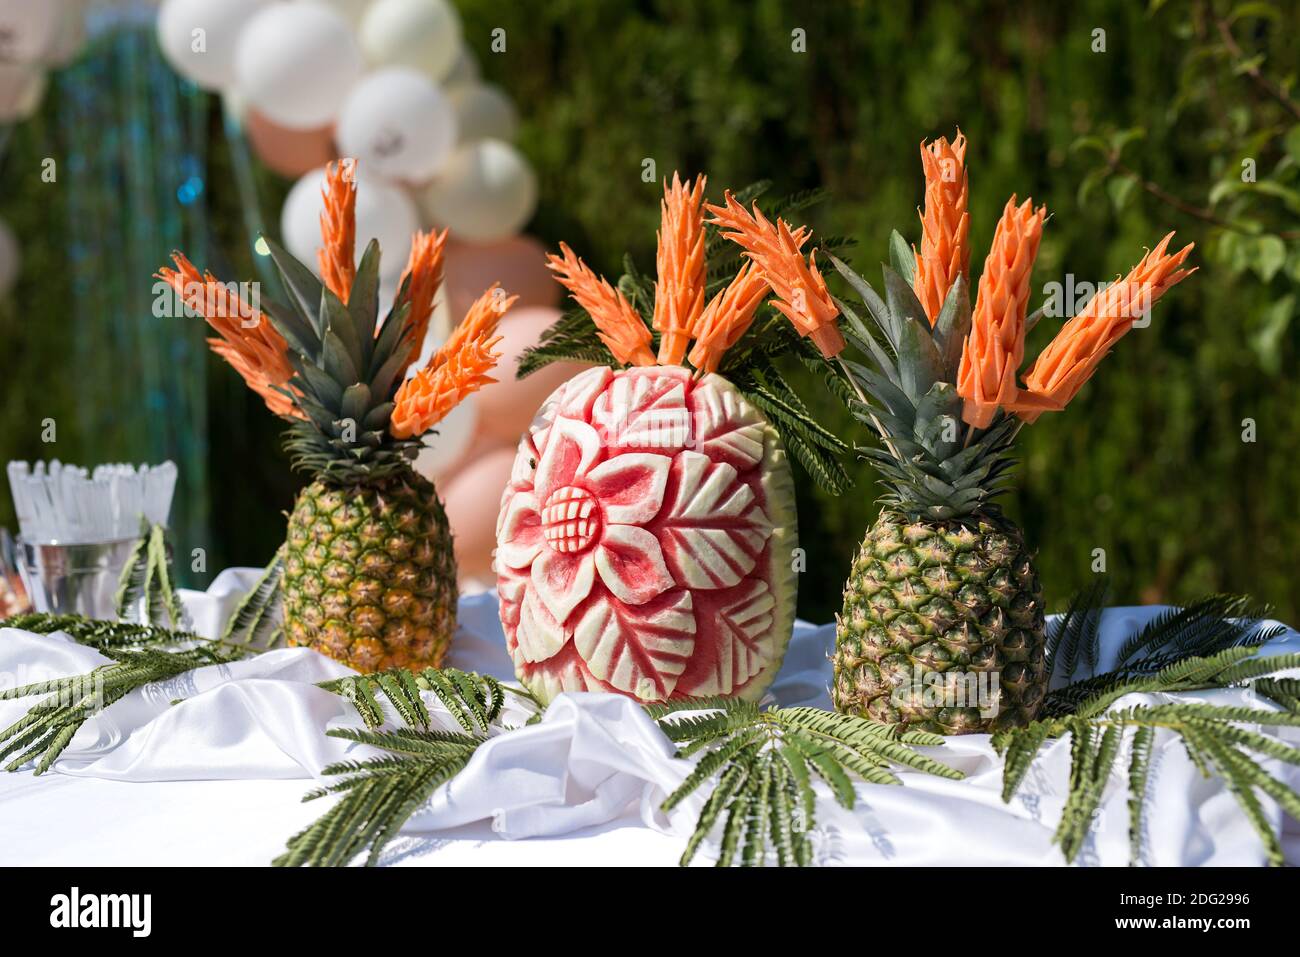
765,760
1213,643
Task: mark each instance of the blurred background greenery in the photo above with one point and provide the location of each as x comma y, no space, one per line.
1126,119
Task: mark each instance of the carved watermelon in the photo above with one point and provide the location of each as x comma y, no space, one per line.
645,540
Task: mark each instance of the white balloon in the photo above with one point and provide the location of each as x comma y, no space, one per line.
295,63
22,87
198,37
28,29
443,452
421,34
383,212
486,191
483,113
10,258
397,124
464,70
351,10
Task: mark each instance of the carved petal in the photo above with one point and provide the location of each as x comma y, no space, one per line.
638,649
738,627
631,564
525,467
563,580
645,409
630,486
710,528
511,585
539,635
727,428
520,536
571,449
580,392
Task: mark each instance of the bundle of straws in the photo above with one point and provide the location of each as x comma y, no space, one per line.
68,504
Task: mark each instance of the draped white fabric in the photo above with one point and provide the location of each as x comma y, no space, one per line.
209,768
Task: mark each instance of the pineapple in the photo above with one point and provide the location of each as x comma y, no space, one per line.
942,627
369,576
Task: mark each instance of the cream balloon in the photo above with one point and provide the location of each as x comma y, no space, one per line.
383,212
22,86
518,263
29,30
11,258
472,498
350,10
443,452
295,63
421,34
505,409
464,71
485,191
483,112
198,37
398,125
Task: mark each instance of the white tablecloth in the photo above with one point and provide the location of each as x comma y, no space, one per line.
210,769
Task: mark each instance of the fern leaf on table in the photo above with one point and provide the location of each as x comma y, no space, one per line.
42,734
256,620
380,794
764,762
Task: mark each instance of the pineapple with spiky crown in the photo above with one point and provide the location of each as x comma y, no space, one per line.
368,573
943,626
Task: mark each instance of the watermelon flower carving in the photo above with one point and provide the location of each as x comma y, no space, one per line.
634,550
646,543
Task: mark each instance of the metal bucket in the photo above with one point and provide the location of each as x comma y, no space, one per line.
69,579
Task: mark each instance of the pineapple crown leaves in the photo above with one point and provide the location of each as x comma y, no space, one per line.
904,390
750,363
1213,643
763,804
345,376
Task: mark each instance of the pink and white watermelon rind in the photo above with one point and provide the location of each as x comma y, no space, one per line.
646,540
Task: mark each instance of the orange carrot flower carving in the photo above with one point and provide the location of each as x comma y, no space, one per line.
459,367
727,317
995,345
679,290
338,228
945,223
619,327
1070,359
802,296
247,340
423,276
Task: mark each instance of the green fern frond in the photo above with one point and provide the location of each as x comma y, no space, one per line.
257,618
764,761
147,580
99,633
45,731
381,794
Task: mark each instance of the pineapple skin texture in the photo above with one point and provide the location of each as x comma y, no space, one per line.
370,575
930,605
